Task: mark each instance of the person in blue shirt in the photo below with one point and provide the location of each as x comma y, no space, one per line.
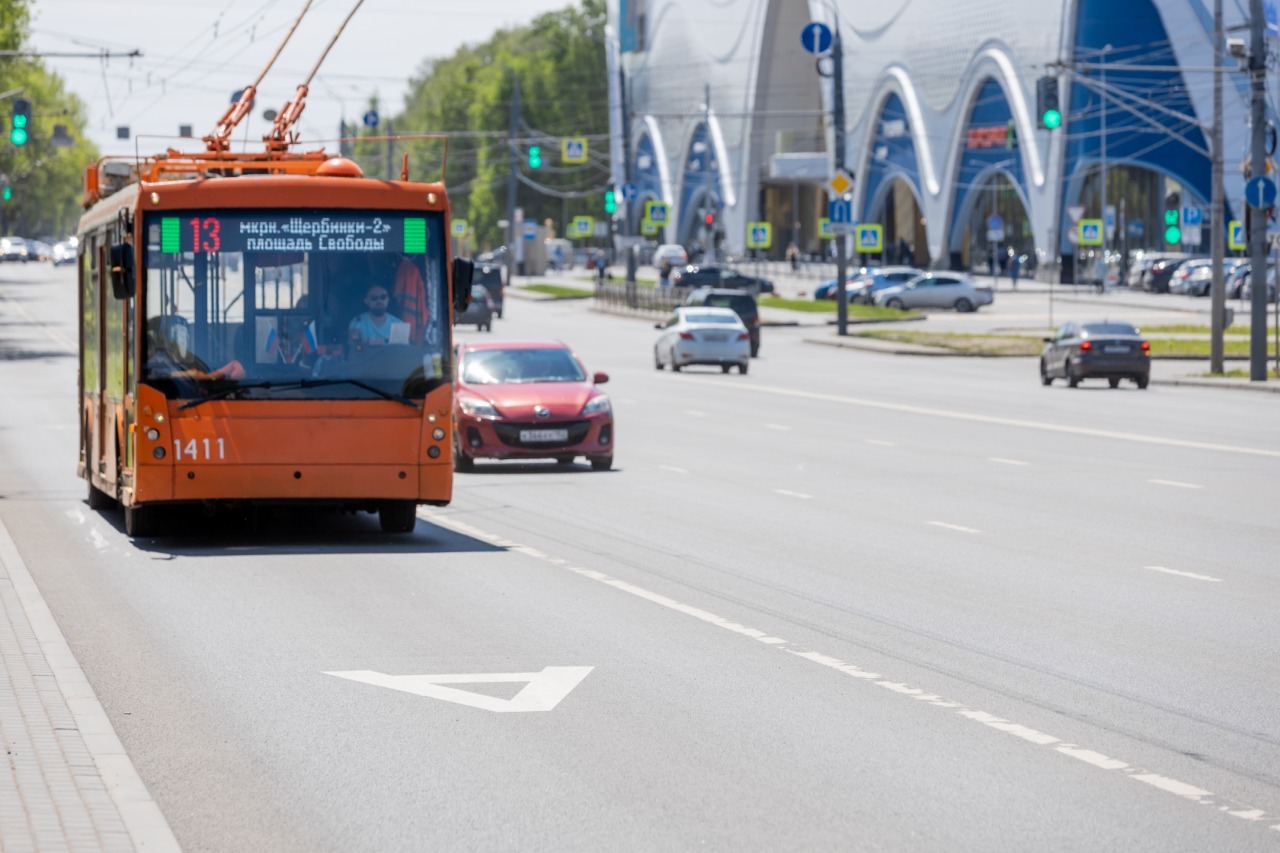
377,325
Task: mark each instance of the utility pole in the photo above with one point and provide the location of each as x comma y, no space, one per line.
1217,289
837,98
1258,169
512,165
1105,241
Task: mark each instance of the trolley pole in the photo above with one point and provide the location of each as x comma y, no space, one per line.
837,118
1258,218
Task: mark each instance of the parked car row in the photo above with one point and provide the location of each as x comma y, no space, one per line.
25,250
1193,276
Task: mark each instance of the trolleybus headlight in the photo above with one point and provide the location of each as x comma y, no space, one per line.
158,453
159,417
155,198
153,433
437,434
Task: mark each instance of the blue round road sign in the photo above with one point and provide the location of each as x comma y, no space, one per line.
816,37
371,118
1260,193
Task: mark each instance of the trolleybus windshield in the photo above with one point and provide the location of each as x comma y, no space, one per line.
248,303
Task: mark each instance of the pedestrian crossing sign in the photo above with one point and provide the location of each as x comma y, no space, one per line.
656,212
825,231
1235,235
759,235
869,239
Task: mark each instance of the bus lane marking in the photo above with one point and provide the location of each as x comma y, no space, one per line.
1034,737
1181,574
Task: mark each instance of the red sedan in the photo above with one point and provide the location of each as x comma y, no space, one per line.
529,400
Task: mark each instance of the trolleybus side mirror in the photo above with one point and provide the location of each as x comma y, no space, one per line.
463,271
123,281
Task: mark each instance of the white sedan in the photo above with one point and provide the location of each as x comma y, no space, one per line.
702,335
936,290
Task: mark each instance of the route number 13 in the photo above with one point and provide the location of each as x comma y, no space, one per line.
191,450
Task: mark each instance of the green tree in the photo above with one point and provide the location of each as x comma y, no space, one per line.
558,61
46,180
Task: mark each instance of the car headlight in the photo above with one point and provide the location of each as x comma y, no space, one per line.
477,408
597,405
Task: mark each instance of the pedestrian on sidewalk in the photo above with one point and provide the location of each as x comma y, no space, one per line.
1015,266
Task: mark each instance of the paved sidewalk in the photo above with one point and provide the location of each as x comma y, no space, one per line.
67,783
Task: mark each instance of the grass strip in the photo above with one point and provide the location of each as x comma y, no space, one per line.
1191,329
828,306
559,291
979,344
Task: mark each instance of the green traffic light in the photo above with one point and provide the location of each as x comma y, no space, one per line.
19,120
18,136
535,157
610,203
1171,217
1051,119
1173,235
8,193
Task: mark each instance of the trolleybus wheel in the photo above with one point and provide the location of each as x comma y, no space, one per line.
99,499
140,520
397,516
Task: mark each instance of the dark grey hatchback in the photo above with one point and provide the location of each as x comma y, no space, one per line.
1103,350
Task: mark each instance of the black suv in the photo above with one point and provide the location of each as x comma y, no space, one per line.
710,275
490,275
742,303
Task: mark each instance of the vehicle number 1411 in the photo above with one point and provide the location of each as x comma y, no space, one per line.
192,449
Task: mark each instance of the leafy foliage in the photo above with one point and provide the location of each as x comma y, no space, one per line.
46,180
558,63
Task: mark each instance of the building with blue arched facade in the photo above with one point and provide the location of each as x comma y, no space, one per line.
719,111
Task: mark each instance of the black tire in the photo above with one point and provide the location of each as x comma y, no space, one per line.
742,368
1073,381
461,461
601,463
1114,382
99,499
657,361
964,306
675,365
1143,381
564,460
397,516
1045,378
724,368
895,304
141,521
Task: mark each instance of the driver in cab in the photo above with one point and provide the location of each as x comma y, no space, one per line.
376,325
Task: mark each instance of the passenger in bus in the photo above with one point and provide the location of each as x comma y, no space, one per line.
376,325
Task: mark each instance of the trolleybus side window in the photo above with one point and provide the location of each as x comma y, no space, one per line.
257,301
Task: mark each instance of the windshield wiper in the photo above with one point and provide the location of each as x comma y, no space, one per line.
225,393
303,383
359,383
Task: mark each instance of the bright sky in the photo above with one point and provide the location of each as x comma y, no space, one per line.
194,55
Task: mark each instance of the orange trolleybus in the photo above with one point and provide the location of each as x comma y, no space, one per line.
258,328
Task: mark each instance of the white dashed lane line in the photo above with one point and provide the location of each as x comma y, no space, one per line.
1181,574
1027,734
961,528
879,443
673,469
789,494
779,427
1003,461
1175,484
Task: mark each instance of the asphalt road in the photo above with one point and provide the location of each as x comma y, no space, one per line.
847,601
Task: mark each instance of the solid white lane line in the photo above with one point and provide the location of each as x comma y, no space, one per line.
1175,484
801,495
958,527
1191,575
673,469
1025,733
993,419
1006,461
780,427
879,443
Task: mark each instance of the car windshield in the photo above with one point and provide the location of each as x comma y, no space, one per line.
521,365
252,302
711,317
1108,329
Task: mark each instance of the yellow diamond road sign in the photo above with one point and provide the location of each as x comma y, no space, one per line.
840,183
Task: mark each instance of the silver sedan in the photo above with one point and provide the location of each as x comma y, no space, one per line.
936,290
703,335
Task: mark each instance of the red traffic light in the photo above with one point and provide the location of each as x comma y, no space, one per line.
710,219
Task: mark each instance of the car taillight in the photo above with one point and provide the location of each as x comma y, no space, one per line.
686,336
745,336
1085,346
1146,347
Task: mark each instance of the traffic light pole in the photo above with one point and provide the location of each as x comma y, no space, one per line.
1217,288
1258,168
837,118
512,165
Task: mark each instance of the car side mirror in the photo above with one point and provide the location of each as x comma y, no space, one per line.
124,281
464,270
1047,340
659,326
600,377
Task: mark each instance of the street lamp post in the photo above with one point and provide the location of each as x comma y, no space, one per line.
837,119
